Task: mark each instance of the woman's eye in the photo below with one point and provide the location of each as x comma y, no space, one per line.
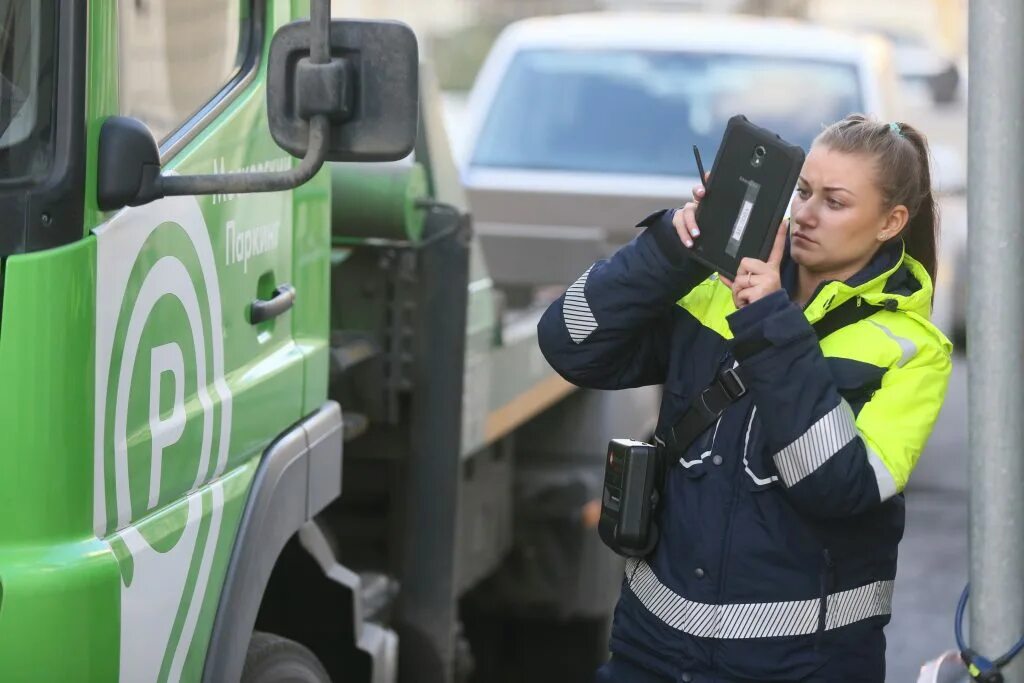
833,204
802,193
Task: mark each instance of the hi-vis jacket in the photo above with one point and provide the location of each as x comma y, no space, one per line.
779,525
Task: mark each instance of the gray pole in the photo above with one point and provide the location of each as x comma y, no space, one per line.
995,321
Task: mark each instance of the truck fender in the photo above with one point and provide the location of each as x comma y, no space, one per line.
299,474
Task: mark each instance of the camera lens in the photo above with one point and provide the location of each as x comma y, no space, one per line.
759,151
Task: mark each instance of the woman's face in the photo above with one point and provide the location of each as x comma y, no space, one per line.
839,214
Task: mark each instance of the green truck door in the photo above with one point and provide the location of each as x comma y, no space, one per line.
188,389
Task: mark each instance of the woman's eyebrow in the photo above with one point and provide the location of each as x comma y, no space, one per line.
839,189
828,189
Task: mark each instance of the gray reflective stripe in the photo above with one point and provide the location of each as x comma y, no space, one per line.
746,465
886,483
576,311
825,438
703,456
908,349
690,463
757,619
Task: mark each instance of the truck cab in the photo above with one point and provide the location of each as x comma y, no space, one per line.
263,405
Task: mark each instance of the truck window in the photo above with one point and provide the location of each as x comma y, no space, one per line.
176,55
26,87
638,112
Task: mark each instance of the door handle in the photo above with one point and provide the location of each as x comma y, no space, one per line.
280,301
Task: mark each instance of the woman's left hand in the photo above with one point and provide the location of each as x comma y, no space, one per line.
756,279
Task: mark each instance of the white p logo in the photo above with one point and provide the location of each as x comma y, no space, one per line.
166,359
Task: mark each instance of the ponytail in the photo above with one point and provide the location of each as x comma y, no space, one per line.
920,236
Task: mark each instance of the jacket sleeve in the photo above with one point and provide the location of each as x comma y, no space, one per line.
611,328
832,463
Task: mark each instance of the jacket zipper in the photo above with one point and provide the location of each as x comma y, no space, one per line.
726,545
826,581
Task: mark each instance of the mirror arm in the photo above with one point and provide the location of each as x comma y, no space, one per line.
237,183
320,31
316,151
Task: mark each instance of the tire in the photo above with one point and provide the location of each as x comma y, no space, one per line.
273,659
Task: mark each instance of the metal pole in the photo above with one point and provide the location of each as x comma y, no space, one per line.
996,327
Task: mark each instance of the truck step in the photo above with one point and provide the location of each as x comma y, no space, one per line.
349,349
353,425
378,592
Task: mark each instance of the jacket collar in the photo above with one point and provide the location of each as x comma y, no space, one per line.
870,282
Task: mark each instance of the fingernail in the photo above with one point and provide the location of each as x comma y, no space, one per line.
696,232
688,243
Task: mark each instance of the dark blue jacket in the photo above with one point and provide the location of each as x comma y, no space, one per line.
780,523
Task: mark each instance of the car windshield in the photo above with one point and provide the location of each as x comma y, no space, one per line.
26,87
640,112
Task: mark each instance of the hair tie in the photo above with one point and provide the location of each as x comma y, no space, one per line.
895,128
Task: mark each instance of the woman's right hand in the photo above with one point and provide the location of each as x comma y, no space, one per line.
685,220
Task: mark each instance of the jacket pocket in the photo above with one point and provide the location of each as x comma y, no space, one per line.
693,461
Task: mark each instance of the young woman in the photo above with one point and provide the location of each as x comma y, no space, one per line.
780,522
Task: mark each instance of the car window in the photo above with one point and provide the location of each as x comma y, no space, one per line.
639,112
26,87
176,55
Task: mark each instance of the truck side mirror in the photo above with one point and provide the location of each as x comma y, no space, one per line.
336,90
368,90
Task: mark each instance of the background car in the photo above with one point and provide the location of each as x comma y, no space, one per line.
580,125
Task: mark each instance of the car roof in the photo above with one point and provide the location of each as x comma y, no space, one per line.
682,31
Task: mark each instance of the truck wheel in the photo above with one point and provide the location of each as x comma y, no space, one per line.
273,659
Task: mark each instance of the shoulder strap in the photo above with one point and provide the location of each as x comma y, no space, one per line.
847,313
728,387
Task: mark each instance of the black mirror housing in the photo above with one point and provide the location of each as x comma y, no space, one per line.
129,164
369,90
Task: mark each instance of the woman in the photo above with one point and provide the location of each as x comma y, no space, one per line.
779,523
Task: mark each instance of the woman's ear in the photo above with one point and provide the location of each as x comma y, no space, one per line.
895,221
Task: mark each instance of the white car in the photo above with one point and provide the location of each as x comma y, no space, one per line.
579,125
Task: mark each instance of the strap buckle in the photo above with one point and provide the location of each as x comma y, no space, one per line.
732,383
727,388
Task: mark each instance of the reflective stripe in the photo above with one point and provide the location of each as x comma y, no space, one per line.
579,320
908,349
746,465
703,456
690,463
757,619
825,438
887,487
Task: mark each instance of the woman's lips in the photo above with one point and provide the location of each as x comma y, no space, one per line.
800,237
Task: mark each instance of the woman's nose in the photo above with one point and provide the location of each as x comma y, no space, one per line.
804,214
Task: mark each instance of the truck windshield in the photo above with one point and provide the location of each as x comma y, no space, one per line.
26,87
639,112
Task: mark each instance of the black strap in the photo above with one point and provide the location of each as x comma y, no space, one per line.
847,313
844,314
704,410
728,386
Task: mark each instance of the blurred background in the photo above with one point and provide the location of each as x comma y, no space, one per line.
582,114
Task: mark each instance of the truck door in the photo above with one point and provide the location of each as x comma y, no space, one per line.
189,387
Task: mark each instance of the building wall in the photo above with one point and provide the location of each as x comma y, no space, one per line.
943,22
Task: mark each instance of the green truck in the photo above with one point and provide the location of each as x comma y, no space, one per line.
264,414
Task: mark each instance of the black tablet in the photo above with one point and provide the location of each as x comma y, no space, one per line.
752,181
